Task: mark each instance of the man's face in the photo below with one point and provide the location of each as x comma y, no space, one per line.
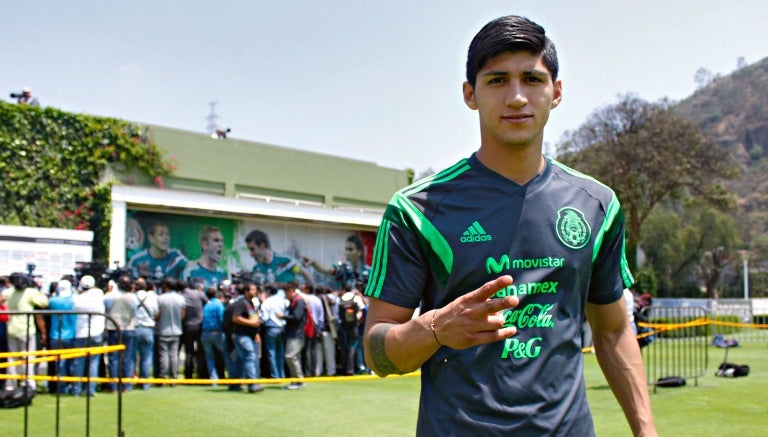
213,246
289,293
250,292
160,239
258,252
513,95
351,253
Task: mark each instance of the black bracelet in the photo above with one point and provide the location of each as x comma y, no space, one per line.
432,327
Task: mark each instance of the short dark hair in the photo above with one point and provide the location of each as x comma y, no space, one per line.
154,225
271,289
181,284
141,284
169,283
357,241
211,293
124,283
257,237
19,281
511,33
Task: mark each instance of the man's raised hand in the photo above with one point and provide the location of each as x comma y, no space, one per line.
475,318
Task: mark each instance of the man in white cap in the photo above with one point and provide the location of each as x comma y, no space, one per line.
89,331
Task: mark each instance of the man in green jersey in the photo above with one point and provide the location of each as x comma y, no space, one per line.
499,358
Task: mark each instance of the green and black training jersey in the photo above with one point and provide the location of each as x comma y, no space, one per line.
561,237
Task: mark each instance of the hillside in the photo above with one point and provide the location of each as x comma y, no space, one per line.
732,110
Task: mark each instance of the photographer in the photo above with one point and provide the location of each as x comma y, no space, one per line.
25,97
350,316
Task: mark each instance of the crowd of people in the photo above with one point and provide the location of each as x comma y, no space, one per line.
238,330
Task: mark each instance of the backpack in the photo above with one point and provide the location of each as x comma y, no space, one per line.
732,370
227,326
4,317
348,313
670,381
310,330
18,397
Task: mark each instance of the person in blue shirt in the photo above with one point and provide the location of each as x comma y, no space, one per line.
62,332
213,337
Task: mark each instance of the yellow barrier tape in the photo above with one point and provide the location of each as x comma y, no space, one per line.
236,381
55,354
702,321
664,327
84,350
64,354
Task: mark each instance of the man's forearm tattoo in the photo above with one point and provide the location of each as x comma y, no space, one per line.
381,361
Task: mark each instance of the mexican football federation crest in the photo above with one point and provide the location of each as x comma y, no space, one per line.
572,228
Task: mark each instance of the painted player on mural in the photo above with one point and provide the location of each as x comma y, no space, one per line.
273,267
352,271
158,260
206,268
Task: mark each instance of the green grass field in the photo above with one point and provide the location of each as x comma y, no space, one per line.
719,407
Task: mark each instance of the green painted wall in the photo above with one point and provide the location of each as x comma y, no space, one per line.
230,166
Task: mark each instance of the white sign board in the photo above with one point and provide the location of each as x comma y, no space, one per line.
53,252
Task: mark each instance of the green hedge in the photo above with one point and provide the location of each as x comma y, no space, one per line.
52,164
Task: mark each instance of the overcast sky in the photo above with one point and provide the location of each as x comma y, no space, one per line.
378,81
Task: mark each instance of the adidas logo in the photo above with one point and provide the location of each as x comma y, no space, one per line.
475,234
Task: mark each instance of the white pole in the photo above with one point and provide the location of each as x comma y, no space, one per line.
746,279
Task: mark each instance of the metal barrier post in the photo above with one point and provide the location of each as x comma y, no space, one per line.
30,315
680,345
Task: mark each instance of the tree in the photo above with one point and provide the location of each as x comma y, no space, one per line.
690,245
711,267
52,165
703,77
647,154
422,174
646,281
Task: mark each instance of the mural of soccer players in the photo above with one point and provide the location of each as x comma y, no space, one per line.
353,271
271,266
159,260
205,268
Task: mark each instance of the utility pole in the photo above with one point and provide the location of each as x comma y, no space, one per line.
746,278
745,261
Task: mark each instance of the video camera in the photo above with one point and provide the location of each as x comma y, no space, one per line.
244,276
344,273
101,274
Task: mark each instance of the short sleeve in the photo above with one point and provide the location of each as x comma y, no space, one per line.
399,268
610,270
